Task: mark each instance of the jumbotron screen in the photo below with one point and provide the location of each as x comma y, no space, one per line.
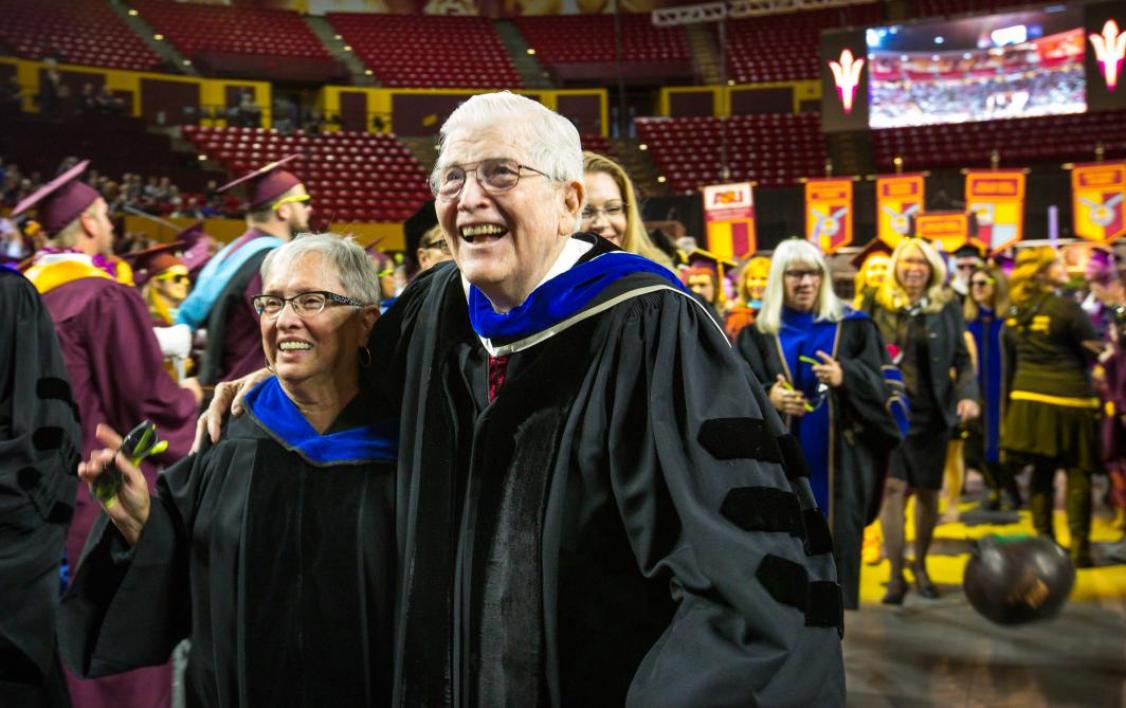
1014,65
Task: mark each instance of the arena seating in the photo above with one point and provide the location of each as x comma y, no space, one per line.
597,143
771,149
352,176
1024,141
589,39
73,31
929,8
193,28
441,52
786,47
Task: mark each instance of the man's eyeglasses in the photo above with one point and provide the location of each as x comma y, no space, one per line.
305,304
610,211
492,175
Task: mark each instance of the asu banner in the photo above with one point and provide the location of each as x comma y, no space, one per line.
828,213
996,198
729,212
949,228
899,200
1098,192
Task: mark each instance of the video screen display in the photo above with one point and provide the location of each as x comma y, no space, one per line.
1014,65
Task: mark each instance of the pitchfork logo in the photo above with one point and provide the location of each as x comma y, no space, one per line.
846,75
1110,48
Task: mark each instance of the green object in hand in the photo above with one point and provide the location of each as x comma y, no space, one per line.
141,442
809,360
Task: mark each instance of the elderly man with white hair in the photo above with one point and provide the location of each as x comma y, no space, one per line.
597,503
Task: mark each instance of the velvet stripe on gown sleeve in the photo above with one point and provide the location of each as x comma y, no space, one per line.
693,453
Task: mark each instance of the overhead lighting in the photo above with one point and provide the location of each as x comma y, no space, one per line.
731,82
531,51
347,47
187,62
367,72
337,36
642,146
661,179
158,37
133,13
202,158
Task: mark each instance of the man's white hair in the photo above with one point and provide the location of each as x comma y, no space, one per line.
549,141
827,308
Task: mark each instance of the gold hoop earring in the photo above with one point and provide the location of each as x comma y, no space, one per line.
270,367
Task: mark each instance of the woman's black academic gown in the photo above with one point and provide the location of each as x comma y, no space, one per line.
273,551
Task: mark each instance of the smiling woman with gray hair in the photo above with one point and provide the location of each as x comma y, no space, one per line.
273,550
824,368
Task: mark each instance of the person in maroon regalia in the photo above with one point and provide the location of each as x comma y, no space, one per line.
278,209
115,367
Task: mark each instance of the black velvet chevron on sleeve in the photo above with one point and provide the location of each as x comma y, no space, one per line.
739,438
763,509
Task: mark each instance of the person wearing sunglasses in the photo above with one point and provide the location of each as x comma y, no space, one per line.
278,208
432,249
164,280
822,365
273,550
984,312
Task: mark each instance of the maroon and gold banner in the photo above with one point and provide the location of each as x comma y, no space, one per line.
996,198
729,213
828,213
949,228
899,200
1099,194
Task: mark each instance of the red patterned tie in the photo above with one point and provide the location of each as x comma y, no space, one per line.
498,366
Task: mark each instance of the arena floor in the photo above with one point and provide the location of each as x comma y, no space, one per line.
942,653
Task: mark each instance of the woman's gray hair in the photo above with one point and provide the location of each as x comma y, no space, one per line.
549,141
356,271
828,307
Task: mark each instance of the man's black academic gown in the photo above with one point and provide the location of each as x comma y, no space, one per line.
625,522
39,453
280,569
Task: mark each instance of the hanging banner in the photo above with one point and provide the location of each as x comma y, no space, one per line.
996,198
729,213
899,200
1098,191
950,229
828,213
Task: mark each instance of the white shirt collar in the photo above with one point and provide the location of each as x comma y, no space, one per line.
568,257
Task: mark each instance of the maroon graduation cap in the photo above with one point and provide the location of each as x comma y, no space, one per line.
874,247
151,261
267,184
60,201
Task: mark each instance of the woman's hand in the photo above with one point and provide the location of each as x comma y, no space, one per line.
228,395
968,409
829,372
785,399
129,508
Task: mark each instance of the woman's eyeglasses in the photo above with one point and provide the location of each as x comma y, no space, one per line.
981,283
610,211
305,304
